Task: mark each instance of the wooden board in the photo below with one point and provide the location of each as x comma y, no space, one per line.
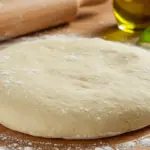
138,140
91,21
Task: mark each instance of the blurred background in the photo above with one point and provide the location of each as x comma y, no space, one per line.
121,20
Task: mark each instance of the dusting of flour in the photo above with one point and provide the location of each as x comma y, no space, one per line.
16,144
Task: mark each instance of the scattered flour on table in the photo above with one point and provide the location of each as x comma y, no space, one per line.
19,148
104,148
131,145
143,142
3,148
28,148
15,143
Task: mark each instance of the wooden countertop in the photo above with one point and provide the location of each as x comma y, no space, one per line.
91,21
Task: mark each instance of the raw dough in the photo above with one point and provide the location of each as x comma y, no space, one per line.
74,88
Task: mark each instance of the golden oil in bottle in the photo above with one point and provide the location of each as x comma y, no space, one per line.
132,15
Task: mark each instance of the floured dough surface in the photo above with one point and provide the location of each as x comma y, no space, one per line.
64,87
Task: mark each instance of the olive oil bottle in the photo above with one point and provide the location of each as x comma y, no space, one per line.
132,15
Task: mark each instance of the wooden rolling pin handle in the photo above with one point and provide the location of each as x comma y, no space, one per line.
21,17
89,2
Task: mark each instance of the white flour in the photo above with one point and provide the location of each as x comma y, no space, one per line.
16,143
104,148
127,146
144,142
2,148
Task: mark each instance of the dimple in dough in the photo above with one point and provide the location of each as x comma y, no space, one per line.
74,88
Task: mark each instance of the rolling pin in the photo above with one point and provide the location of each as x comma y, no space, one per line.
19,17
90,2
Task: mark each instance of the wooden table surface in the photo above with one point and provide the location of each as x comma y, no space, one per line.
91,21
